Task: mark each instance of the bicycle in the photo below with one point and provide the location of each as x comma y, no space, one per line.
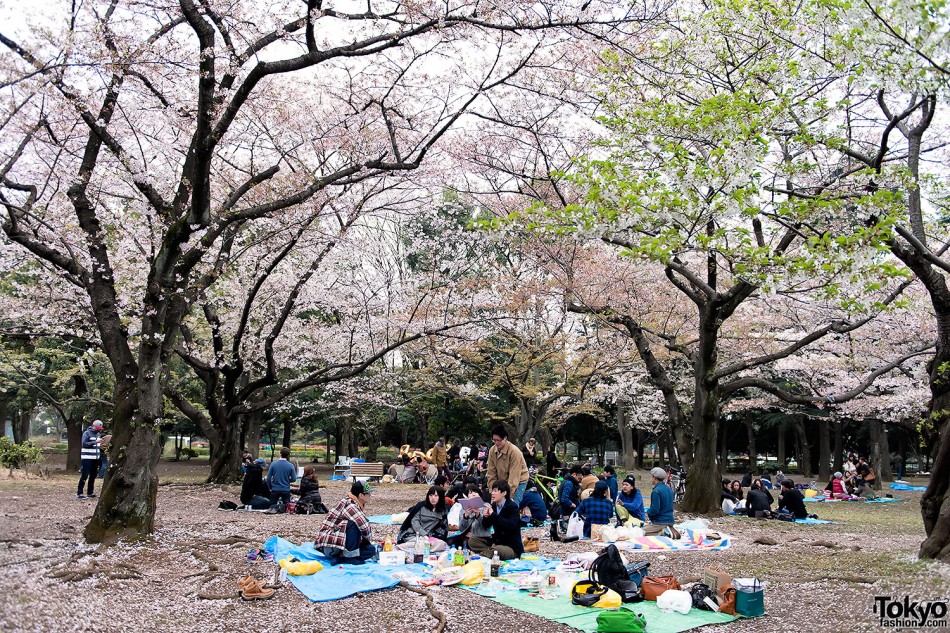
677,481
547,486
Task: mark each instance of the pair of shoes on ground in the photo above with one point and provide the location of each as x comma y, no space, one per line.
255,555
532,544
92,496
672,532
250,588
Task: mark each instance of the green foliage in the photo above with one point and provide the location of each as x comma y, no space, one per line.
18,455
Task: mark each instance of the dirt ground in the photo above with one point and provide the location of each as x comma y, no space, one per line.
180,580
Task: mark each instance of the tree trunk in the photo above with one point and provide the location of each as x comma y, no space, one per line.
824,450
753,449
73,443
782,451
252,433
628,458
21,426
702,480
880,453
723,447
836,456
802,446
226,461
126,505
288,432
641,442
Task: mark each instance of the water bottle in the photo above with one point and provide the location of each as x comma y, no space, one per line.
466,555
459,558
426,550
495,565
417,550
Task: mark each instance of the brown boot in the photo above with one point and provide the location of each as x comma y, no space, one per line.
256,591
246,583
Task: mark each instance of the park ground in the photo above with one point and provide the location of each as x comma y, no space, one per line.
821,577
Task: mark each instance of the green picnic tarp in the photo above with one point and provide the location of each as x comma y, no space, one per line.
585,618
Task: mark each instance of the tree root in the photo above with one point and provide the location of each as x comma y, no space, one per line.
230,540
430,603
19,541
864,580
218,596
118,571
830,545
765,540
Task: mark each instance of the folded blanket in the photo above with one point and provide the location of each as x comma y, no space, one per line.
896,486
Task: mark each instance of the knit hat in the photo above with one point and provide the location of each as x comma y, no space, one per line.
659,473
838,475
629,479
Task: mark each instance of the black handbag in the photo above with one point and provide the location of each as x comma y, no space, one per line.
698,592
586,593
629,591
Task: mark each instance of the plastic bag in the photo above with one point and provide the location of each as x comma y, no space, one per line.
629,532
300,567
674,600
609,534
575,527
610,600
473,573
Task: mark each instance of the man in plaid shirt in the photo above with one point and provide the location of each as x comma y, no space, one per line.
596,509
345,534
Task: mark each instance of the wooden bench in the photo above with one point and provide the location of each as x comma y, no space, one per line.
373,470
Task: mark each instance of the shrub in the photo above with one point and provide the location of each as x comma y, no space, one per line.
18,455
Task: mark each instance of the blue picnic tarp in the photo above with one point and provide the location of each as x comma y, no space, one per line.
340,581
895,486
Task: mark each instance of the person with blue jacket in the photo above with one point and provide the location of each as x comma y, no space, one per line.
630,503
90,454
569,497
610,476
661,506
532,506
279,477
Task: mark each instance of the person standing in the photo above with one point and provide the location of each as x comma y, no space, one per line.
661,506
530,453
90,454
506,463
346,534
440,457
553,463
279,477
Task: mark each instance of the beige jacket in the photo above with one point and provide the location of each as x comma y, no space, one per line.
507,464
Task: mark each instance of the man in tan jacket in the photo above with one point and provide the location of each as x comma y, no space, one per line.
505,462
440,457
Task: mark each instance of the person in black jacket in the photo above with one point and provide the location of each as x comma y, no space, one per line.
310,491
504,517
553,463
759,499
792,501
253,484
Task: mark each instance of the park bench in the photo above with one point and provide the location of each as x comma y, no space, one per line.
373,470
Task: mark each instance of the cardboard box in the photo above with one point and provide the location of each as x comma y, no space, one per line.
717,578
395,557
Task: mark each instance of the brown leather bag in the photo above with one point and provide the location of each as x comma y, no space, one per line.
653,586
727,601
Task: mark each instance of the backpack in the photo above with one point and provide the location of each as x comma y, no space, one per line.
227,505
698,593
608,569
620,621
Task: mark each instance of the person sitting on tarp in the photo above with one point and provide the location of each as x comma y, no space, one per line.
791,501
759,500
470,522
429,521
727,500
502,516
836,487
630,503
532,506
588,481
254,492
568,496
310,492
597,509
661,506
346,534
765,482
610,476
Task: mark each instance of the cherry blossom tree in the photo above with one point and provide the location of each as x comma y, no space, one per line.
138,136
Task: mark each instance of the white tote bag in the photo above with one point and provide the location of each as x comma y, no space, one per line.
575,526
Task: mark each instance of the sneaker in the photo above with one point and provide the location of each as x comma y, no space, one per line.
92,496
80,496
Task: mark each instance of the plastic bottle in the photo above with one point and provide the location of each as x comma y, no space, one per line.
495,565
459,558
452,556
417,552
426,550
466,555
388,544
487,563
